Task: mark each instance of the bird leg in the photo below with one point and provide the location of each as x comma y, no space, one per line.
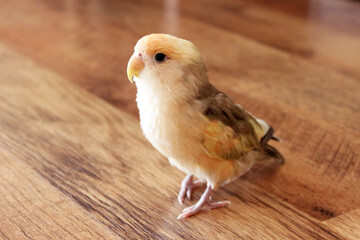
205,203
187,186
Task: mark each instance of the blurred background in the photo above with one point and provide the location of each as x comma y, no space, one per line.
90,42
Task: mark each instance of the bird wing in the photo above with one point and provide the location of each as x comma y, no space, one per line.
230,132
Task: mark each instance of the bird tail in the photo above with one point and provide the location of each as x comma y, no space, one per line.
276,138
271,152
266,151
270,135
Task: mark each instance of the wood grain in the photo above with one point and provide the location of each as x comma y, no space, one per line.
331,40
294,64
347,224
95,155
32,208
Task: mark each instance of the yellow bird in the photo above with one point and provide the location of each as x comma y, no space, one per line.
198,128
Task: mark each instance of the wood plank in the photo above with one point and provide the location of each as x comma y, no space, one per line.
75,43
347,224
315,109
32,208
324,32
97,156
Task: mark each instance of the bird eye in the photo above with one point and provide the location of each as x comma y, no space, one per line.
160,57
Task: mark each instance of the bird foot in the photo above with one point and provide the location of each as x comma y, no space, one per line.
204,204
187,186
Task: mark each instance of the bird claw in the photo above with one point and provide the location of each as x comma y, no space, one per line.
204,204
187,186
200,207
188,193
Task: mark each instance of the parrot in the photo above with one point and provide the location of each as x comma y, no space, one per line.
197,127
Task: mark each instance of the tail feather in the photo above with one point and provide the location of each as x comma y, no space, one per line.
270,135
272,152
266,151
276,138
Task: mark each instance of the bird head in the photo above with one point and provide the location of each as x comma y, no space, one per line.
166,61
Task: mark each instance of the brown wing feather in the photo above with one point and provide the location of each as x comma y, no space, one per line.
230,131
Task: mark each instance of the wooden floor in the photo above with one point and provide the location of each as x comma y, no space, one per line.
75,165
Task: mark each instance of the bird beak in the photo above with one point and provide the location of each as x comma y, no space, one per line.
135,66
